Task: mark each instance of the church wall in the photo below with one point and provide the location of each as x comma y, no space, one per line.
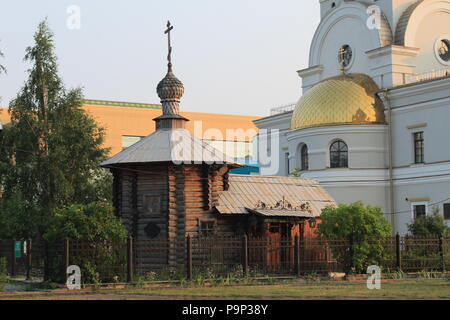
422,107
430,28
374,194
431,191
367,145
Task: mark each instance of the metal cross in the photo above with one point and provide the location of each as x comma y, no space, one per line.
169,56
342,53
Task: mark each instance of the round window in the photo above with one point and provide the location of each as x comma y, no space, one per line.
443,50
345,55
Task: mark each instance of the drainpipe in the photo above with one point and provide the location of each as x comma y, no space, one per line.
385,98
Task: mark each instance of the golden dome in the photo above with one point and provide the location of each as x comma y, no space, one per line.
344,99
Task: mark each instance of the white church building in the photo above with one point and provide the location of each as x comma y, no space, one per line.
373,122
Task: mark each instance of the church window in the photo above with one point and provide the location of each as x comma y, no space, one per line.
447,211
304,158
207,228
345,55
419,210
338,154
443,49
286,163
418,147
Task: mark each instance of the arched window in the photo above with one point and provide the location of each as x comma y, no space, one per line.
304,158
338,154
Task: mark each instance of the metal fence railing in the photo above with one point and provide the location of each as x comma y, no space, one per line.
209,257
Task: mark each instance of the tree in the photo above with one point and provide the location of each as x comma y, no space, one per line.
52,148
363,228
432,225
94,223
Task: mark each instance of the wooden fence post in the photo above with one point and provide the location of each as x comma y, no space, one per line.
398,253
130,259
66,258
297,255
442,252
245,255
29,266
189,257
13,257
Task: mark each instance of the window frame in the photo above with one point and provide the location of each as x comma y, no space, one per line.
330,152
304,157
419,203
418,158
212,230
443,211
287,164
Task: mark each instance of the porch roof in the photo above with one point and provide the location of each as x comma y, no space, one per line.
274,196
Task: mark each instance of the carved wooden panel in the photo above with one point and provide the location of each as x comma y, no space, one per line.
152,205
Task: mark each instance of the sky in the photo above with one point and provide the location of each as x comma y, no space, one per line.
233,56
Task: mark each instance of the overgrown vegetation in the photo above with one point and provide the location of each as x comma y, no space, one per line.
363,227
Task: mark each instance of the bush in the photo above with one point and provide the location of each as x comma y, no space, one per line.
100,248
3,272
363,227
426,226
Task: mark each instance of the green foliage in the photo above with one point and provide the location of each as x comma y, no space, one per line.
101,236
51,151
432,225
3,269
94,222
18,218
363,228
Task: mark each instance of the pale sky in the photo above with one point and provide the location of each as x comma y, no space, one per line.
233,56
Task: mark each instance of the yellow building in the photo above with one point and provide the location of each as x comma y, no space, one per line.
126,123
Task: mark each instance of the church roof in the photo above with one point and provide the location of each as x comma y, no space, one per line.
274,196
403,22
170,145
340,100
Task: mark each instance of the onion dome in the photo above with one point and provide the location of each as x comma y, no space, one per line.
170,87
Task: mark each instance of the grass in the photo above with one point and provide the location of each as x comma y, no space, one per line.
394,289
415,289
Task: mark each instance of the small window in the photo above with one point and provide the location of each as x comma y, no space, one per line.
447,211
419,210
304,158
274,228
339,154
443,49
418,147
207,228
